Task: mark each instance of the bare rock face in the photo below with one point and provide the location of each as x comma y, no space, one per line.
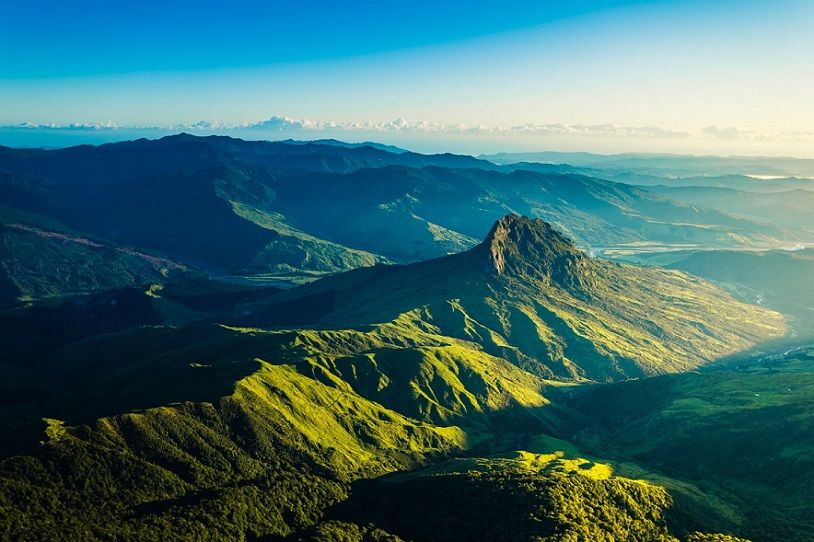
525,248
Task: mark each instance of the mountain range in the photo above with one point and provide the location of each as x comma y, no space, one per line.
667,165
287,212
217,339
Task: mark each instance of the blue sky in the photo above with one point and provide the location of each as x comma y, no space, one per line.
684,76
55,39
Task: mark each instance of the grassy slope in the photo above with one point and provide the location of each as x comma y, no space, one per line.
407,369
307,415
514,496
278,431
309,412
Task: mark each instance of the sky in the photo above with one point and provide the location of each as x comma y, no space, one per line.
683,76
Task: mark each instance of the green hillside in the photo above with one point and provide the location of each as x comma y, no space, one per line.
40,259
777,279
327,406
163,425
308,413
514,496
742,434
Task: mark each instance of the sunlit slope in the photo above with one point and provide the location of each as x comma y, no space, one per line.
405,368
515,496
527,294
277,446
261,460
180,425
235,433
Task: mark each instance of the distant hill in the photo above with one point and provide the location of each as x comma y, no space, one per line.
144,157
674,165
789,208
380,146
447,201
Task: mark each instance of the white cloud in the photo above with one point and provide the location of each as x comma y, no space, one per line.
731,132
602,130
108,125
423,127
285,123
800,136
317,128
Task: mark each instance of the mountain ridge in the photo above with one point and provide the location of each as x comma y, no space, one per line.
529,295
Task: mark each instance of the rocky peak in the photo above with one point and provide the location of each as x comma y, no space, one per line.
522,247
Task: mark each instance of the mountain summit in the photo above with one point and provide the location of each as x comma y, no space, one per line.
523,247
529,295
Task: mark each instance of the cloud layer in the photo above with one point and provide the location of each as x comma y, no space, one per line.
288,125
